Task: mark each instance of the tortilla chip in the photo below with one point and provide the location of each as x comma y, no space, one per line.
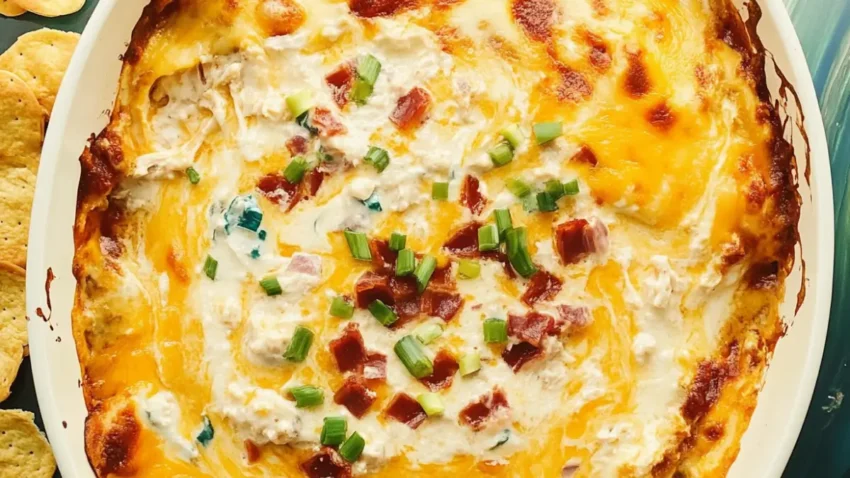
24,451
21,123
10,361
17,186
51,8
10,9
13,314
40,58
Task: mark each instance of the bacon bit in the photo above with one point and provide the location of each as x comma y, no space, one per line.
542,286
445,367
252,451
517,355
531,328
296,145
326,464
378,8
442,276
406,410
371,287
585,155
536,17
279,191
349,349
406,309
599,56
341,81
411,109
313,181
355,396
403,288
383,258
471,197
572,318
464,242
375,367
477,413
661,117
637,82
323,120
578,238
442,304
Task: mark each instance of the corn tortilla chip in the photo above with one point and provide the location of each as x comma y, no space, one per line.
10,361
17,186
24,451
40,58
21,123
51,8
13,320
10,9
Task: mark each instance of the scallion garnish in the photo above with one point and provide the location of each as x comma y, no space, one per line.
295,170
304,122
513,135
193,175
299,103
373,202
397,241
519,188
412,354
529,203
352,448
501,154
427,332
367,74
431,403
307,396
210,267
468,269
207,432
250,219
405,263
341,308
545,202
503,221
377,157
495,331
423,272
361,91
297,350
440,191
383,313
488,238
571,188
518,255
469,363
546,132
358,244
555,189
333,431
271,285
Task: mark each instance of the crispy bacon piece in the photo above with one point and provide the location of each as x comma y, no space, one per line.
441,303
570,318
585,155
383,258
445,367
375,367
378,8
535,17
470,195
531,328
442,277
313,181
371,287
326,464
542,286
252,451
323,120
279,190
406,410
297,145
476,414
348,349
464,242
411,109
517,355
341,80
355,396
577,238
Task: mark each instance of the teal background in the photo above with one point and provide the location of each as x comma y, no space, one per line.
823,27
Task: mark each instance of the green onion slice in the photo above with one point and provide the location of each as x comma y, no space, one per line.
545,202
300,345
358,244
513,135
397,241
440,191
488,238
495,331
295,170
377,157
361,91
518,252
555,189
193,175
529,203
207,432
412,354
250,219
210,267
501,154
341,308
352,448
299,103
373,202
546,132
468,269
428,332
571,188
431,403
368,69
333,431
423,272
519,188
469,363
383,313
405,263
307,396
503,221
271,285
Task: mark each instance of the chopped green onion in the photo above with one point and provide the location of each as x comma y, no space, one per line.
423,272
503,221
299,103
468,269
495,331
545,132
519,188
250,219
300,344
412,355
193,175
271,285
383,313
361,91
304,122
207,432
358,244
210,267
405,263
555,189
529,203
571,188
378,157
333,431
323,156
397,241
518,252
262,235
341,308
368,69
427,332
431,403
488,238
295,170
501,154
440,191
307,396
545,202
513,135
469,363
352,448
373,203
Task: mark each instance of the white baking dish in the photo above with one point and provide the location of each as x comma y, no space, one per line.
82,109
